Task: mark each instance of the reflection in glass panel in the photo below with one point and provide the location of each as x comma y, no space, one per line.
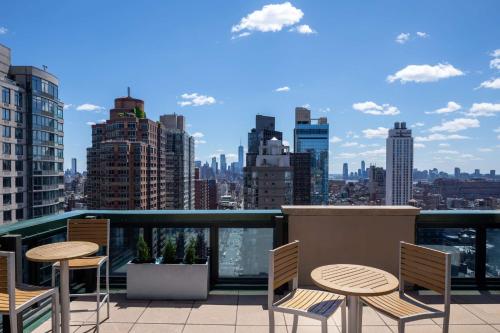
460,242
492,253
243,252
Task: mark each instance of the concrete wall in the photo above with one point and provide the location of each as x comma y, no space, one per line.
366,235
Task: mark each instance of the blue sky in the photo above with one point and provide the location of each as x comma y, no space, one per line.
362,64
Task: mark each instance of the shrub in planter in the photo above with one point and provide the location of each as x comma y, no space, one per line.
143,255
169,253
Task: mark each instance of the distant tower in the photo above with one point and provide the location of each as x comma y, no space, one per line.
399,163
457,172
223,164
214,165
240,157
363,169
73,166
345,171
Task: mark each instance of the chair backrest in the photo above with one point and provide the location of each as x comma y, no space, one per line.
8,276
426,268
89,230
283,267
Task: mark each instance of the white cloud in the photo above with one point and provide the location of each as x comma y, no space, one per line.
456,125
90,123
485,150
282,89
444,145
491,84
495,63
379,132
483,110
101,121
198,135
417,124
448,152
243,34
419,145
425,73
335,139
373,153
3,30
346,155
350,144
449,108
497,130
67,106
403,37
422,34
351,134
199,142
373,108
194,99
496,53
89,107
286,143
270,18
303,29
440,137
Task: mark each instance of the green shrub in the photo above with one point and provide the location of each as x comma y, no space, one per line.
143,254
169,251
190,257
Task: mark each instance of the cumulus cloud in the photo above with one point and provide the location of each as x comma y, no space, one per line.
373,153
89,107
491,84
440,137
449,108
485,150
3,30
350,144
444,145
419,145
456,125
282,89
199,142
483,110
195,99
286,143
270,18
425,73
448,152
495,62
417,124
303,29
373,133
243,34
403,37
346,155
67,106
198,135
373,108
422,34
335,139
90,123
101,121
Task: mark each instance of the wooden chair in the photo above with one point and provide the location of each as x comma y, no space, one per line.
16,298
427,268
95,231
316,304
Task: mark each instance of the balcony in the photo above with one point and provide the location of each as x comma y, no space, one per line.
238,243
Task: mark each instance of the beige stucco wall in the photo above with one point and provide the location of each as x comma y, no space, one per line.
366,235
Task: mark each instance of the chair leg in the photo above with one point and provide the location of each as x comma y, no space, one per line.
344,316
295,323
13,321
324,326
107,286
98,293
401,327
360,316
271,321
446,323
53,284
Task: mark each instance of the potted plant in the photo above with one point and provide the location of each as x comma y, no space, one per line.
169,277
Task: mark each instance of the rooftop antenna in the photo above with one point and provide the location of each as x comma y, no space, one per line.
128,92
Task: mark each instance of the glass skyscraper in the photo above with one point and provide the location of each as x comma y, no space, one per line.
311,135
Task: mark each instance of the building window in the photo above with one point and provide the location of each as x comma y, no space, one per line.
7,215
18,133
6,164
19,197
19,149
6,149
5,114
6,95
19,214
7,199
19,166
6,132
7,182
19,117
18,99
19,182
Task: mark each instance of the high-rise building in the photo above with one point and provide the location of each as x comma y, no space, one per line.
345,171
240,158
264,130
363,169
223,165
214,165
457,172
179,161
399,164
311,136
376,184
31,121
73,166
301,166
126,163
477,173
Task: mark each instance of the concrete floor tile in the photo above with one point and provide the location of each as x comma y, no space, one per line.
156,328
166,312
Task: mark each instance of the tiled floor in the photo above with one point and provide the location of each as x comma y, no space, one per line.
245,312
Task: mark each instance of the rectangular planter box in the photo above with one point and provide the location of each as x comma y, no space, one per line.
167,281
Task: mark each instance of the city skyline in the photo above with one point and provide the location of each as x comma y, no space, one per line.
431,71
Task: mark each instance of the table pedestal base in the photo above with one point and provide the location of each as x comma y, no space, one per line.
353,315
64,294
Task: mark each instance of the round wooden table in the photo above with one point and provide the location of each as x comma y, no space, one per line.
62,252
354,281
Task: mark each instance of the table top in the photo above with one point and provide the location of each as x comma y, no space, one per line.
61,251
354,280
